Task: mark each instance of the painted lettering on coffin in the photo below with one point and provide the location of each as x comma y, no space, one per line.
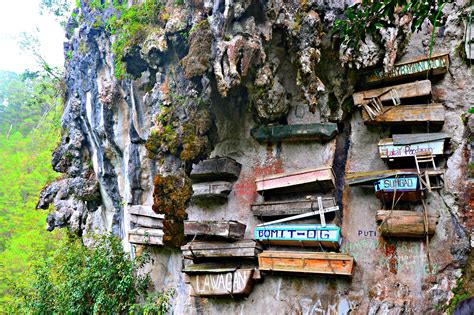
221,282
401,184
295,232
390,151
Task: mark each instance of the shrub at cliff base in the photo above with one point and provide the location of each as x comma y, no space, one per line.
100,279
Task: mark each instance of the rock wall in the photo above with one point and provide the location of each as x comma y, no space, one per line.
245,63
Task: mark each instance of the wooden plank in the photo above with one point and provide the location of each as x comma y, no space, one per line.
145,211
417,67
321,178
408,114
218,189
307,262
298,132
403,91
293,207
389,150
413,138
219,168
231,230
146,221
368,178
239,249
311,235
237,283
143,236
401,223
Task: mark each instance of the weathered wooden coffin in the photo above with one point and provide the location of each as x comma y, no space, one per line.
239,249
416,67
367,179
219,168
230,230
408,114
321,178
407,145
403,91
307,262
405,188
145,236
401,223
308,235
144,216
214,281
302,132
287,208
209,190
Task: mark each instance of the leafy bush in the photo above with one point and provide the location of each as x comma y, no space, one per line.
100,279
369,16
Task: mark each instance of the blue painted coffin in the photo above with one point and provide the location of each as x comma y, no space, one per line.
299,235
400,183
407,189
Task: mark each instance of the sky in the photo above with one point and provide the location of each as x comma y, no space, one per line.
17,16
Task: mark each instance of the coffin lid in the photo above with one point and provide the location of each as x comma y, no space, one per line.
422,57
368,178
418,138
146,231
214,268
306,255
279,175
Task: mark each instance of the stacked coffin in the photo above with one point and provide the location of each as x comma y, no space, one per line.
212,179
147,226
218,261
407,104
315,236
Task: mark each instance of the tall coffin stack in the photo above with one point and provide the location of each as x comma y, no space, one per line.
303,235
400,107
147,226
218,261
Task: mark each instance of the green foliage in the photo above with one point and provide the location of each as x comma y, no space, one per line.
81,280
459,294
130,26
369,16
186,140
58,8
29,130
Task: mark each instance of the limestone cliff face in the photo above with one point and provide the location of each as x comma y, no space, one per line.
201,80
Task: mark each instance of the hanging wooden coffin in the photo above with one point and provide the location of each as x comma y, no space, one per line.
303,132
213,281
417,67
229,230
299,235
239,249
287,208
219,168
408,115
146,236
321,178
144,216
307,262
405,188
211,190
367,179
401,91
407,145
401,223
